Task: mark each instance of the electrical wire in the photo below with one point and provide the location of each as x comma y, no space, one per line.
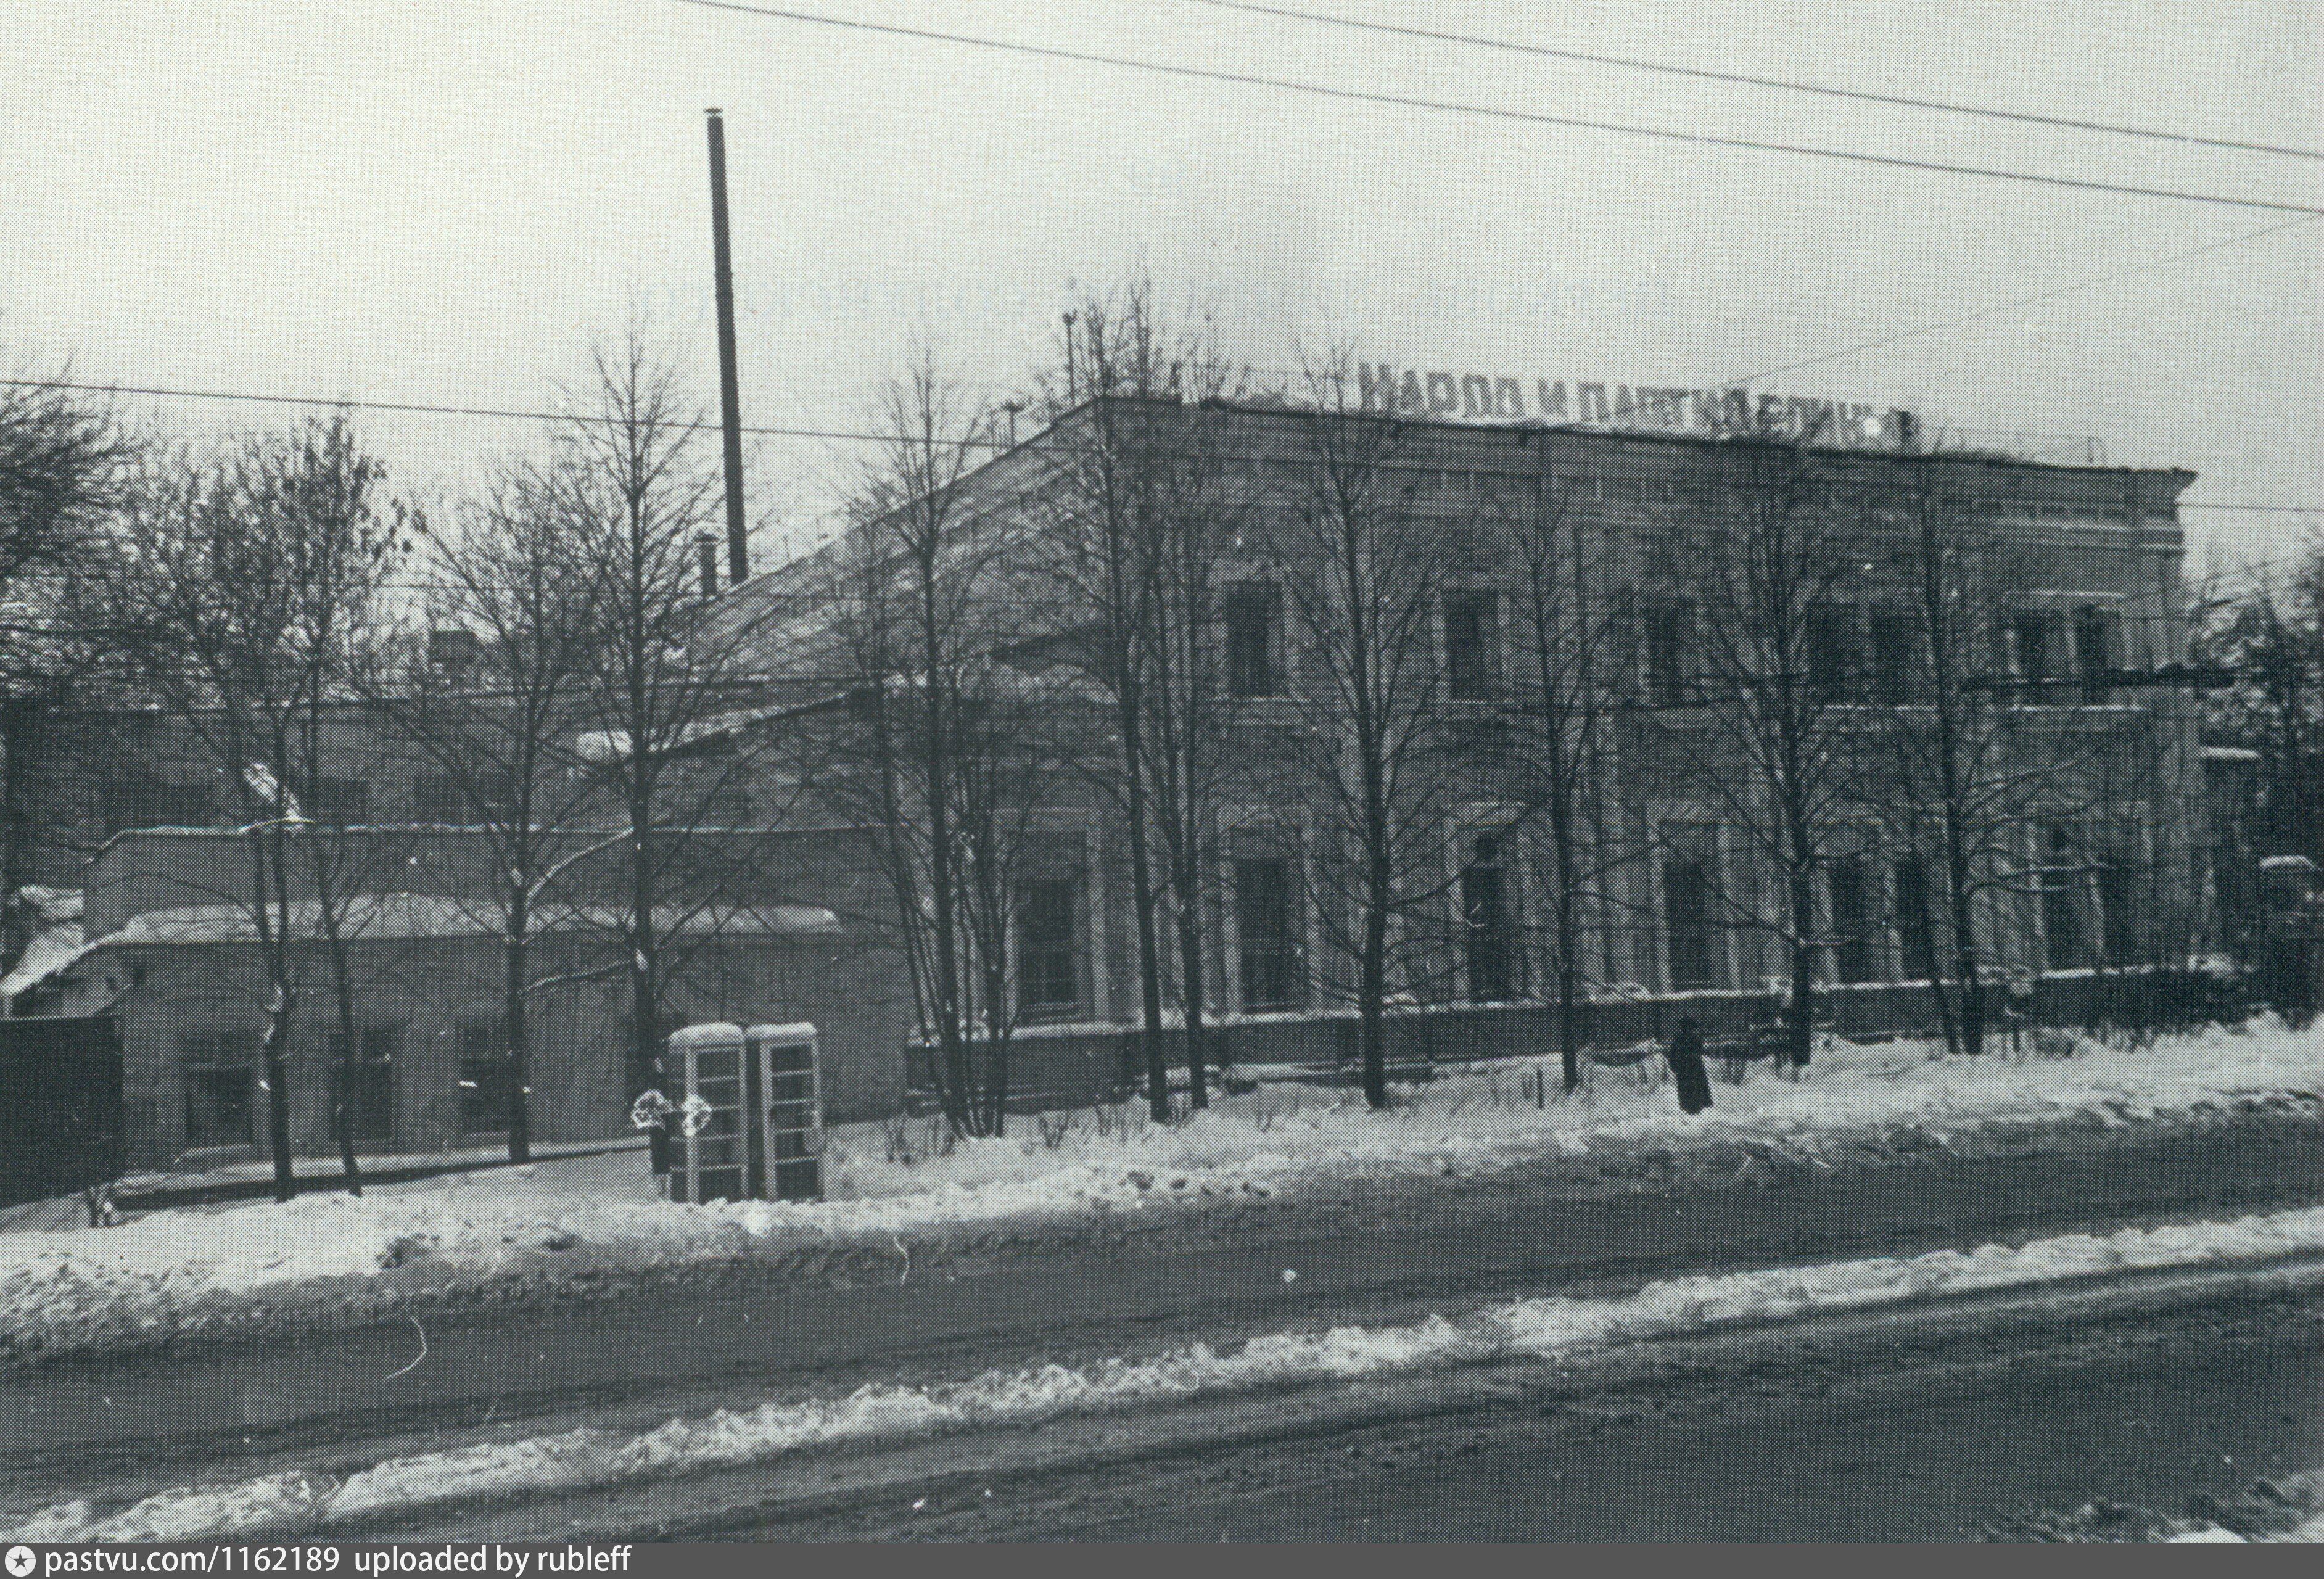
1529,117
2038,296
1787,84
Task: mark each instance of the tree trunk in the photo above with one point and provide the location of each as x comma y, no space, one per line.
1800,1016
1190,992
512,1011
343,1103
1372,988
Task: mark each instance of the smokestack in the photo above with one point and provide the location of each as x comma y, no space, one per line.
706,544
730,397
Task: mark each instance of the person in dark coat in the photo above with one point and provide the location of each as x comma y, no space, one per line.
1685,1056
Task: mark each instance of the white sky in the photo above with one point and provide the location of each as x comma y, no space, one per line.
446,200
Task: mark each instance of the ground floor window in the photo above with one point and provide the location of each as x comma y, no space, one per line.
2118,910
1913,940
1686,924
1491,945
1851,913
368,1089
1048,966
217,1067
1267,940
2061,904
485,1075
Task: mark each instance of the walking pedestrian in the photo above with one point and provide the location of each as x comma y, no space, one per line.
1685,1058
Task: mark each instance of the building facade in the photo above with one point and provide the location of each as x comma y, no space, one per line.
1749,660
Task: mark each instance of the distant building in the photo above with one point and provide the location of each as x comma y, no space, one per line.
2071,651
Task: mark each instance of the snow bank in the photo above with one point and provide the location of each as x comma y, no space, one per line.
1525,1329
75,1289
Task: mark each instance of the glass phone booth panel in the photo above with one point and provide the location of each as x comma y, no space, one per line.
789,1075
713,1160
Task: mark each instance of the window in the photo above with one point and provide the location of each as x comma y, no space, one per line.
1830,651
2061,904
1665,636
1254,620
2093,651
1049,967
369,1093
1487,935
1851,946
2029,632
1472,645
1891,656
1686,923
217,1073
1267,934
484,1078
2118,910
1914,939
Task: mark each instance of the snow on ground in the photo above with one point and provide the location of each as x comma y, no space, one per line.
581,1216
1523,1329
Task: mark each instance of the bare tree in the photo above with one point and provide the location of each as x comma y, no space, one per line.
635,490
62,467
491,700
244,588
1362,578
1564,627
1134,515
945,757
1762,733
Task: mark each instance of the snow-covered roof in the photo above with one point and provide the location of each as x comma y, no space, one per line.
403,917
2228,753
49,951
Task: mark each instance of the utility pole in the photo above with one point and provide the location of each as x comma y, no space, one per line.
730,397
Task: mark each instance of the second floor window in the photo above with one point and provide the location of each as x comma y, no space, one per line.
1472,646
2094,655
1254,639
1891,656
1664,635
1830,651
2031,650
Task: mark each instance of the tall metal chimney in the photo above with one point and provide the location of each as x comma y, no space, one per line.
730,397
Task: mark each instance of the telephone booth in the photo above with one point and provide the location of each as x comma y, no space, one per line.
751,1107
790,1077
710,1144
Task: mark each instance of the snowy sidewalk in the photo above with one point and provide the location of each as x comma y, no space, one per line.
897,1185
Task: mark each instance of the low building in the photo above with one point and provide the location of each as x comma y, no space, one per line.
185,978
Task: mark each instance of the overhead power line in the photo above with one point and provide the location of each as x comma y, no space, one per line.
416,408
1528,117
1704,74
2024,300
512,414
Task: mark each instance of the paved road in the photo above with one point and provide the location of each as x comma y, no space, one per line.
341,1399
1927,1441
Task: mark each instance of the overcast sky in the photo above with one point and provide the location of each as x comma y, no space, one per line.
444,201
